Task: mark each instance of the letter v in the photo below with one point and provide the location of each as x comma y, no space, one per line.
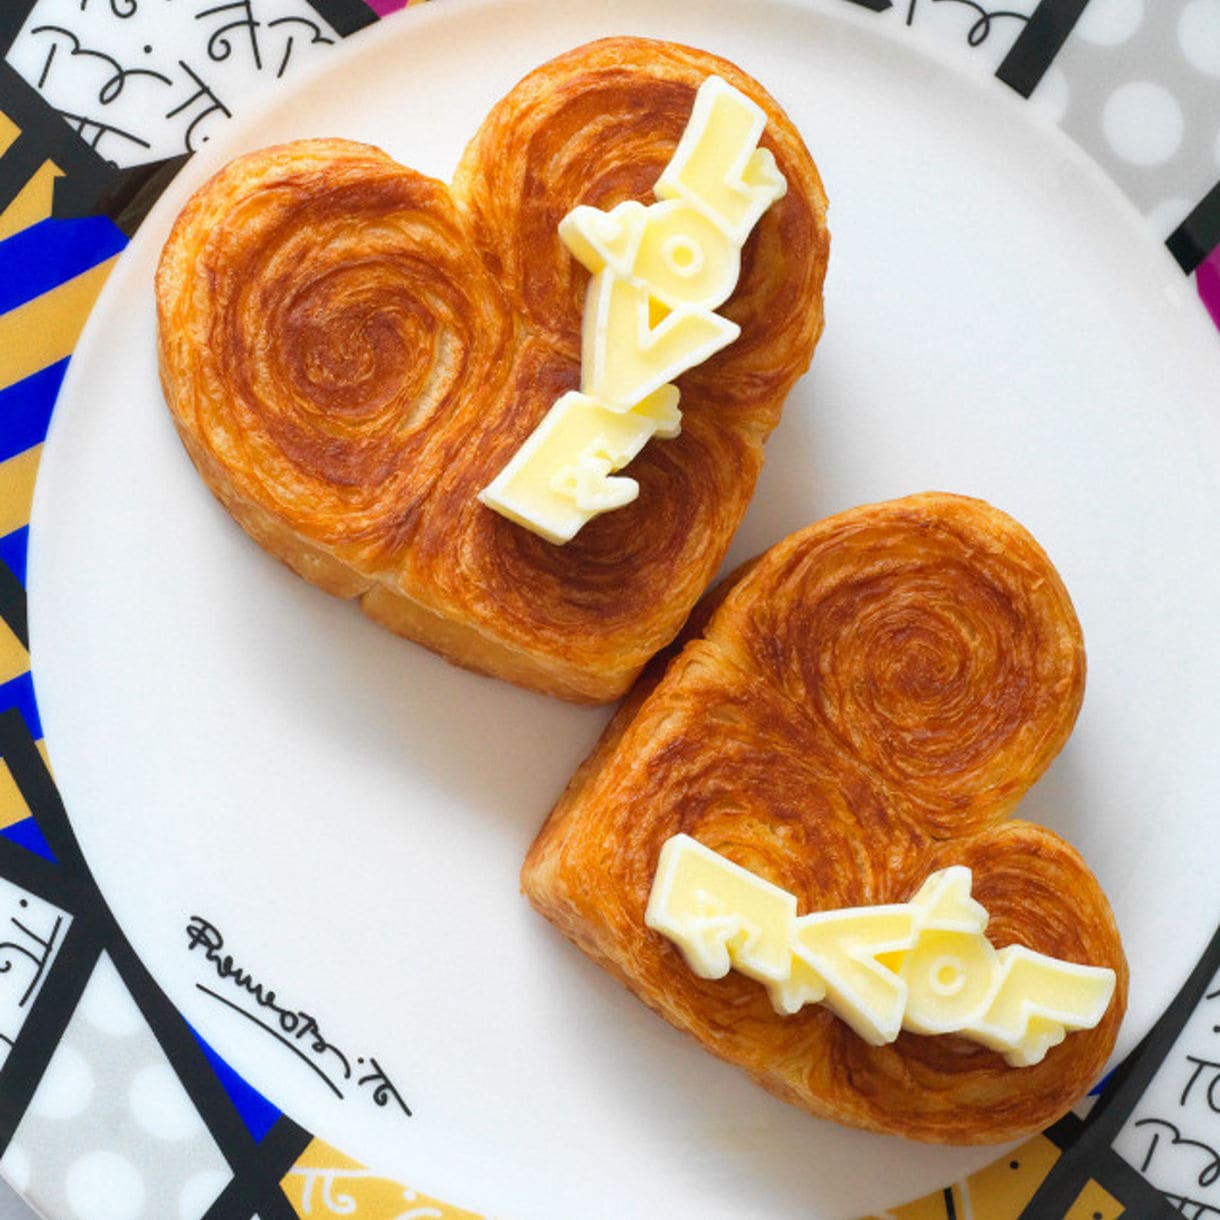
841,949
626,356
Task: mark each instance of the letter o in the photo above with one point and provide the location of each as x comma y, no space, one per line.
685,259
949,977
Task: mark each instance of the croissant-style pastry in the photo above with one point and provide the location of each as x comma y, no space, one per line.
351,351
867,704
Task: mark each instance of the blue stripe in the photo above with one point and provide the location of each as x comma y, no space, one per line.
255,1110
19,693
25,409
27,834
52,252
14,550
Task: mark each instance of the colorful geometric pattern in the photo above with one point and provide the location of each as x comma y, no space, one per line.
89,1044
110,1075
324,1182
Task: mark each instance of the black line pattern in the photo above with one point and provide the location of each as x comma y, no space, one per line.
134,102
345,17
13,15
237,15
120,8
90,186
294,1028
113,85
1038,44
1092,1146
267,1027
985,19
211,105
258,1166
1199,234
315,37
13,604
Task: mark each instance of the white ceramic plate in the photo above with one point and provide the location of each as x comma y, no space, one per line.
351,812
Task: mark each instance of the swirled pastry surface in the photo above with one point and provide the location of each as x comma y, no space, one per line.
351,350
867,704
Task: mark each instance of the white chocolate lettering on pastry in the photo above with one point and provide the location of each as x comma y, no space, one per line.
684,258
925,966
580,442
631,349
719,914
723,133
840,949
843,954
1036,1000
659,272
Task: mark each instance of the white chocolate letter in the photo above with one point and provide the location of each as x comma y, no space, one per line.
719,914
1036,1000
718,167
560,477
923,965
842,948
628,353
658,275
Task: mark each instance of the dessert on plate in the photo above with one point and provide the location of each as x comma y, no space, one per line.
848,727
352,352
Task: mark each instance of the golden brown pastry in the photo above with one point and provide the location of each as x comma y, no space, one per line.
351,350
868,703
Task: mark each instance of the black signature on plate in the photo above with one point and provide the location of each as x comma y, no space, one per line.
292,1027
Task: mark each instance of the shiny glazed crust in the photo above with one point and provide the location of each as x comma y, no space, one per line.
351,350
868,702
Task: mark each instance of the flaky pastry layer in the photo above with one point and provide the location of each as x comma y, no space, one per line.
868,703
351,350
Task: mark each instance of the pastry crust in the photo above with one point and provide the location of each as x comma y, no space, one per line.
868,702
351,350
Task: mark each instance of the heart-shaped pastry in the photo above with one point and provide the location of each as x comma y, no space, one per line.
351,351
867,704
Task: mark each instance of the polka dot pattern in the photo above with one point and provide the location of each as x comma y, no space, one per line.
33,931
1143,98
67,1087
200,1192
1053,95
1143,123
103,1185
160,1105
1199,35
1109,23
117,1135
15,1164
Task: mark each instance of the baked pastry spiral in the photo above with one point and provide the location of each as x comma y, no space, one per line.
866,705
351,350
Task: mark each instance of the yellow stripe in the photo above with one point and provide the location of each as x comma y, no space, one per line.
12,804
46,329
1095,1202
322,1167
14,660
17,489
33,201
9,131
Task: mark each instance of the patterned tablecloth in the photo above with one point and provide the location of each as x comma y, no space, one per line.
101,102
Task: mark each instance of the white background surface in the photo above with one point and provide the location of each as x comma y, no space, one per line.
12,1207
353,814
